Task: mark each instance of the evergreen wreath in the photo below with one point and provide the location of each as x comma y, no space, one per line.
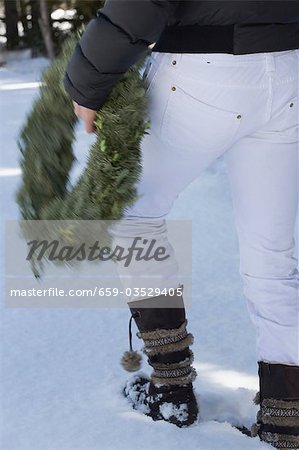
107,185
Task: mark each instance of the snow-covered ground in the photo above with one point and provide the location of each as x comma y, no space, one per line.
61,377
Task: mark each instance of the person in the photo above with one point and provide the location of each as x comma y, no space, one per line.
221,79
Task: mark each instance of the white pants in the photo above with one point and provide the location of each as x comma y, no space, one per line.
246,107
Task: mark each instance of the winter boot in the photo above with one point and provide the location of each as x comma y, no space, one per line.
278,417
168,394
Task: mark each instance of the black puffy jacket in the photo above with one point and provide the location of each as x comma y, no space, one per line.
123,29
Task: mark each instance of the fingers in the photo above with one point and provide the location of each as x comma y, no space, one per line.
75,106
87,115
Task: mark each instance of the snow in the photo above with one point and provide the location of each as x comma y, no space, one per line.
60,13
171,410
137,394
61,377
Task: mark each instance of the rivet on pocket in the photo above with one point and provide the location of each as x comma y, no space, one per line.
173,88
239,116
291,105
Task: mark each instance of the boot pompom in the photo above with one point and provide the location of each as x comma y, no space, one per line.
131,361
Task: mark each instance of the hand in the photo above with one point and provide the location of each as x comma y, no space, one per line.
88,116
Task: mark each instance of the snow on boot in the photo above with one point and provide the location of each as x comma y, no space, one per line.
176,404
278,417
168,394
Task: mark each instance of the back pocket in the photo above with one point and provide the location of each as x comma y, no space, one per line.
190,123
284,125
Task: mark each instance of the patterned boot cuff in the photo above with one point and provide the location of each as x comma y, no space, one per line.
178,373
280,441
165,341
277,422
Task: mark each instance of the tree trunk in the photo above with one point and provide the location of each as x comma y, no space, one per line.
45,27
23,18
11,23
35,38
35,14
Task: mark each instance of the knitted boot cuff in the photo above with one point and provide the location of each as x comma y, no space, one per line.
174,373
280,413
280,441
277,413
176,377
165,341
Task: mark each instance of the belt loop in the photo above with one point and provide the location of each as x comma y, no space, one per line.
270,62
175,62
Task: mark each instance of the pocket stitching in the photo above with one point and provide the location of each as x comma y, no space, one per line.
151,81
205,107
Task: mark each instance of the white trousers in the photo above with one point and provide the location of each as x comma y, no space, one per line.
245,107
